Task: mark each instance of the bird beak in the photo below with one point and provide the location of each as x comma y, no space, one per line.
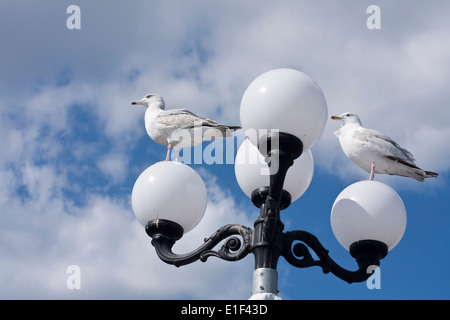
136,102
336,118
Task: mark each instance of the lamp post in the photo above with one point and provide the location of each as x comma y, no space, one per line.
368,218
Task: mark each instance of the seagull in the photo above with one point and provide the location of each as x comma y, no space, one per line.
375,152
179,128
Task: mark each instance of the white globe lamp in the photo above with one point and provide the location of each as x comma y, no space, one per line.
252,171
169,191
368,210
284,100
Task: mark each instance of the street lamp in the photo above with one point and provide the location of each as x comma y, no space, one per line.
283,113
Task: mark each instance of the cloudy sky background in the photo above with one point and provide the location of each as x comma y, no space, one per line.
73,146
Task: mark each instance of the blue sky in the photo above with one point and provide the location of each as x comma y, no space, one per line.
73,146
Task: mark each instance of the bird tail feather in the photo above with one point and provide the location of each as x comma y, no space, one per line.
414,171
431,174
234,128
420,174
220,131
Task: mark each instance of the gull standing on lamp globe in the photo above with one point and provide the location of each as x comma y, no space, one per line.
179,128
375,152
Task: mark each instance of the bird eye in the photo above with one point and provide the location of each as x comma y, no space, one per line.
148,96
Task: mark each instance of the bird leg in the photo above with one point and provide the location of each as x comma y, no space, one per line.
169,148
372,171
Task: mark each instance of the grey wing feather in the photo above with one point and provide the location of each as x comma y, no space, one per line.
184,119
390,148
176,112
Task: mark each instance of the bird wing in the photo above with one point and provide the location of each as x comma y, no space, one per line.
183,119
388,147
176,112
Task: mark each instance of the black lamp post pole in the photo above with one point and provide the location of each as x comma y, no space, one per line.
280,151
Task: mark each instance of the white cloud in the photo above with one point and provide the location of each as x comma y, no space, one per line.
114,166
44,235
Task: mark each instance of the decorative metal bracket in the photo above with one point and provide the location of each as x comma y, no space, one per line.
367,253
164,237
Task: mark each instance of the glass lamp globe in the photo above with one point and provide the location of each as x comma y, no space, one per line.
368,210
171,191
286,100
252,171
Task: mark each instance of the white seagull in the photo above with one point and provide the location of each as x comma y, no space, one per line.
179,128
375,152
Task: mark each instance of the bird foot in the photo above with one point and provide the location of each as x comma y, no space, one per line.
169,148
372,172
